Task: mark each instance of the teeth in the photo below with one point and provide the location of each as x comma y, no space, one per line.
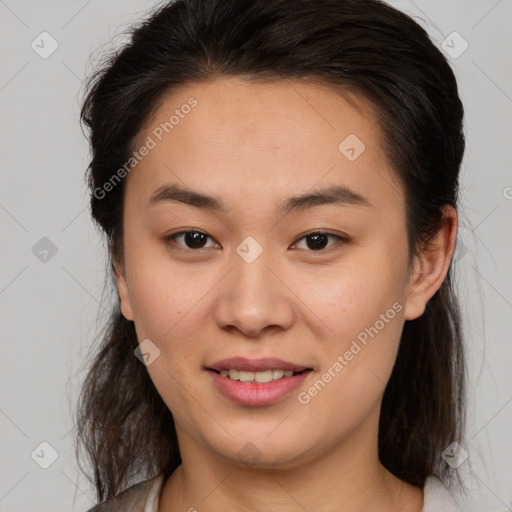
245,376
277,374
260,377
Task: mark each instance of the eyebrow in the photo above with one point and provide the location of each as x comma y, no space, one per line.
340,195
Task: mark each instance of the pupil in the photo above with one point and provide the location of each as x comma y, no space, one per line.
194,239
317,245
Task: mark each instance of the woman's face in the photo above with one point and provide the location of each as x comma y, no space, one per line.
248,283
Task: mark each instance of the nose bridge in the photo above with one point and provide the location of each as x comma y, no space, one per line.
252,280
257,275
252,297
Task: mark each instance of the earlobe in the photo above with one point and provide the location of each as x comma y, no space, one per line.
417,298
122,290
432,266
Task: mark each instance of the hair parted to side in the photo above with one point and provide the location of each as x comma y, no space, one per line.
362,46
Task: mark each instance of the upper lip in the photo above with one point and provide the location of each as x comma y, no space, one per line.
256,365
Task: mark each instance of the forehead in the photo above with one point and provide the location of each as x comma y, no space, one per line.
232,136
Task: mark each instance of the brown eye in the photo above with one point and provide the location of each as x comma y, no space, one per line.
192,240
318,240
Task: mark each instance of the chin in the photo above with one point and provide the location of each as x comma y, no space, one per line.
263,454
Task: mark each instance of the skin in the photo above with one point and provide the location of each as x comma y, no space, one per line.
253,145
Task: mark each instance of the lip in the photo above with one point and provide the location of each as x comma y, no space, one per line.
254,394
256,365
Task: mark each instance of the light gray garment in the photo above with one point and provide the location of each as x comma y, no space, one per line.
144,497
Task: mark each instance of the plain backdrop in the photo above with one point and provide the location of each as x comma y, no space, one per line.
52,267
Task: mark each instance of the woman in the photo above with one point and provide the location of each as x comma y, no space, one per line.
277,182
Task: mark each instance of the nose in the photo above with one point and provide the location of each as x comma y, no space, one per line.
254,298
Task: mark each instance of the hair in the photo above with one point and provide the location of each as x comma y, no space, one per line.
363,46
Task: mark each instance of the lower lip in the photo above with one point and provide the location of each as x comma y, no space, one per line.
247,393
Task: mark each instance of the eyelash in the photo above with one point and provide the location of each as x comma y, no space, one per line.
341,240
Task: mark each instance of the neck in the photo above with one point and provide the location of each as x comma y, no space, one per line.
346,477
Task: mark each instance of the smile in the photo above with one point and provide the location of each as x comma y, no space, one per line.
257,377
251,392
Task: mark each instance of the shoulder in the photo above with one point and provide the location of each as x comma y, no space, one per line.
139,497
437,498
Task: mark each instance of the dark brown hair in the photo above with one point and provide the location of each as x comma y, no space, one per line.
364,46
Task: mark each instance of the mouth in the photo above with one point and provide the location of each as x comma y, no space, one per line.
259,377
263,364
257,382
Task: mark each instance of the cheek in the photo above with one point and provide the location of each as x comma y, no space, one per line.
167,310
360,307
349,297
165,297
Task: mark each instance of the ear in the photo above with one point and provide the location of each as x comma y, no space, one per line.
122,290
431,268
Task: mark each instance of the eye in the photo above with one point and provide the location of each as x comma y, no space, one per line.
192,239
319,239
196,240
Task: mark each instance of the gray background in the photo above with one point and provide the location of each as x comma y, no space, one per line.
49,309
